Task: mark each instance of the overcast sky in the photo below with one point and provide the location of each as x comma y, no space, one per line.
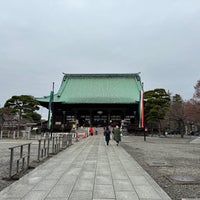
41,39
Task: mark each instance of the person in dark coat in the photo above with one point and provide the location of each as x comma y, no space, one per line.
117,135
107,135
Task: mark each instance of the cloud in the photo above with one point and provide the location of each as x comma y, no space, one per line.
41,39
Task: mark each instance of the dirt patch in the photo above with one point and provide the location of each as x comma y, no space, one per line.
168,157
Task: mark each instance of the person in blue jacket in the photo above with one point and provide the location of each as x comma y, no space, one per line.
107,135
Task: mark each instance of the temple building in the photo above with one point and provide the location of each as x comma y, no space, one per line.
96,100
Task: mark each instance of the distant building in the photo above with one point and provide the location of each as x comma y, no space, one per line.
12,127
96,100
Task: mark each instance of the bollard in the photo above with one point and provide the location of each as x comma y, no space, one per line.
58,144
48,143
53,145
39,147
29,155
45,151
11,162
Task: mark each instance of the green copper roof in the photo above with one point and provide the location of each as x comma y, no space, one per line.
98,89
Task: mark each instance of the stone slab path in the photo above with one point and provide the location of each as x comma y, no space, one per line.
88,170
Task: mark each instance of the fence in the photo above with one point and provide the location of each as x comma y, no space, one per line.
22,163
20,154
43,148
22,134
54,145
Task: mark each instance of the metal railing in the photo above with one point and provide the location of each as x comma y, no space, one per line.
22,162
20,154
43,149
47,147
66,141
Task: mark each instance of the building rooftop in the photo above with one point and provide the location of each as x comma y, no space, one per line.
98,89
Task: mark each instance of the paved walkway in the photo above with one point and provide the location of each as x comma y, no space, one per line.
196,141
88,170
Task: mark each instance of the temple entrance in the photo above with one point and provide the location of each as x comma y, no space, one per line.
94,115
100,118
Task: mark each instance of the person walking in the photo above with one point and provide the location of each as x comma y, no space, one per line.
117,135
96,131
91,131
107,135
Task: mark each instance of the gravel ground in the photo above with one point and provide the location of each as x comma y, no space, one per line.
164,158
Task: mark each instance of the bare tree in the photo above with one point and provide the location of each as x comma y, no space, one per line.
176,115
197,91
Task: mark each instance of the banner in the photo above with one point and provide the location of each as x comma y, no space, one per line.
50,109
141,122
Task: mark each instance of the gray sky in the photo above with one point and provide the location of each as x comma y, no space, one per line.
41,39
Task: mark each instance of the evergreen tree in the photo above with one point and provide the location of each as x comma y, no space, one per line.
24,106
157,103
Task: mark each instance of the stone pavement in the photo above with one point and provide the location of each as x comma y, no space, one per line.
88,170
